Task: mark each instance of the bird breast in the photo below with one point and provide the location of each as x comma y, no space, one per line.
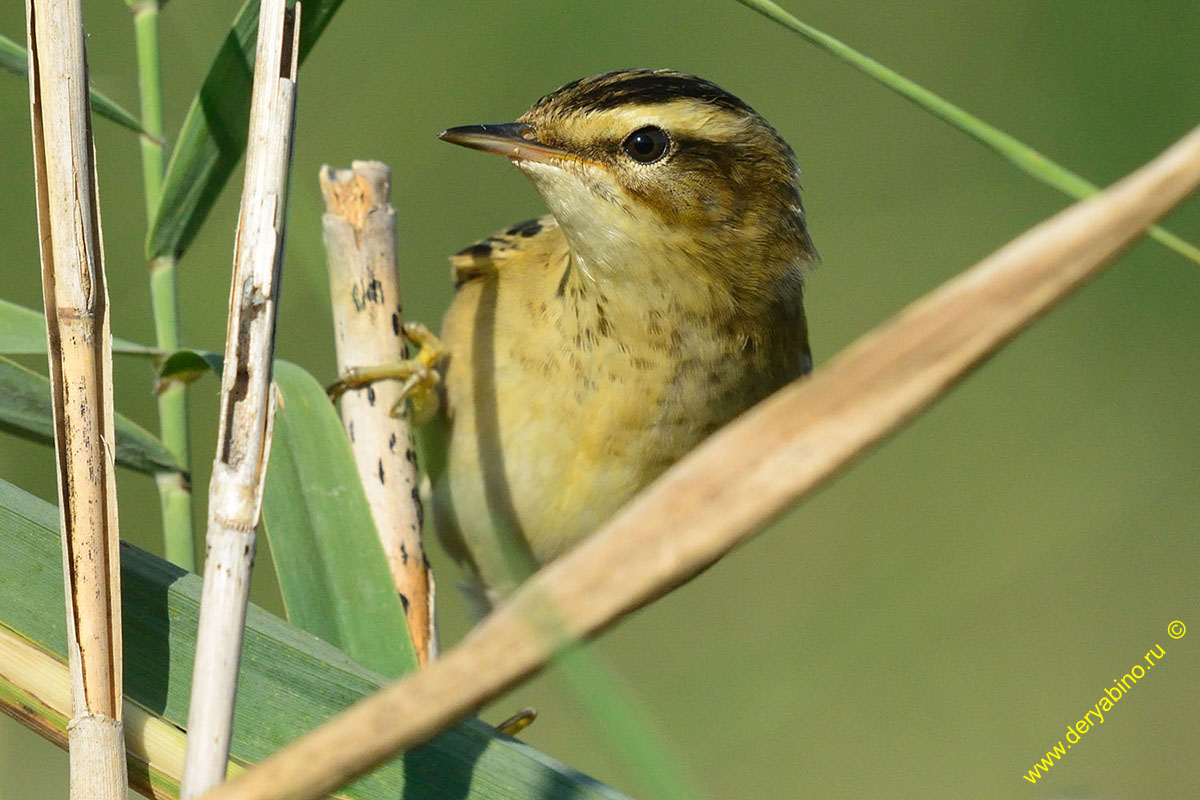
565,398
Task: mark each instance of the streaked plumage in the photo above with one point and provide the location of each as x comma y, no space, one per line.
592,348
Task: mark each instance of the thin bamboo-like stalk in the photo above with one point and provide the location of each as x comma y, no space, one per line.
360,246
174,488
739,480
80,356
247,399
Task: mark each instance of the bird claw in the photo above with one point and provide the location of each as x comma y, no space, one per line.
420,390
419,375
517,722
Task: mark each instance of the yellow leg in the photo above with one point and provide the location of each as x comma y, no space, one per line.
420,377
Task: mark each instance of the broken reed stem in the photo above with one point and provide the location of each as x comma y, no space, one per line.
739,479
80,357
247,400
360,247
79,349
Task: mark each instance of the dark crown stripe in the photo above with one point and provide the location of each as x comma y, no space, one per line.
639,87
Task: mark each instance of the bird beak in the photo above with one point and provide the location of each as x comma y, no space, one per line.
515,140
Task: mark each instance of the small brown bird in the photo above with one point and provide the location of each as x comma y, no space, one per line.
587,351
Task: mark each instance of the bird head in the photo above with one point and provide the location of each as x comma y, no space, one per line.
659,165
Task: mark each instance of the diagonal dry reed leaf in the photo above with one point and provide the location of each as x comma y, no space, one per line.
741,478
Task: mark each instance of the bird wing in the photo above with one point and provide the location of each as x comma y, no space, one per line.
535,241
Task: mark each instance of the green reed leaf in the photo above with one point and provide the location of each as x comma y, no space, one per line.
1015,151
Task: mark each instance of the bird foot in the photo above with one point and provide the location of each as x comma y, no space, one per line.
517,722
419,376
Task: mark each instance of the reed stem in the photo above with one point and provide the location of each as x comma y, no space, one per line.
174,489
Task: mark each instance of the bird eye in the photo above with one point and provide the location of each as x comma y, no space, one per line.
646,144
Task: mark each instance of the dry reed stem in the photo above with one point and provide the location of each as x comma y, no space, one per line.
80,356
247,400
738,480
360,247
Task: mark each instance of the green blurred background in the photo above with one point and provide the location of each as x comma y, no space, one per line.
930,623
